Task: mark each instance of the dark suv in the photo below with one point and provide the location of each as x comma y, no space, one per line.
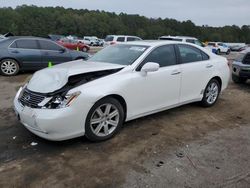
33,53
241,67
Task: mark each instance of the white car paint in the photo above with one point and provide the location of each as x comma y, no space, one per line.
144,93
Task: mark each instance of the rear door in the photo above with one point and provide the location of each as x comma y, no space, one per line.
196,70
52,52
27,52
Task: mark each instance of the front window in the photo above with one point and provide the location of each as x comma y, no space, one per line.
119,54
48,45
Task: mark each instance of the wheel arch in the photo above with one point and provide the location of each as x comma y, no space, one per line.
218,79
13,59
121,101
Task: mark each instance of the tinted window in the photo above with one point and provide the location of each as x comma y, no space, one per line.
26,44
164,55
190,41
47,45
132,39
189,54
121,39
109,38
13,45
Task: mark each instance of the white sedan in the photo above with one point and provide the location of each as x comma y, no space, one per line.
120,83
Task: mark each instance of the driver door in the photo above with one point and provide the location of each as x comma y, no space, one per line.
156,90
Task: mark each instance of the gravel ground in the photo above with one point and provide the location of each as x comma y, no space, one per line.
189,146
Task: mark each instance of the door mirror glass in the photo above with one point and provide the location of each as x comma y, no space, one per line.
150,67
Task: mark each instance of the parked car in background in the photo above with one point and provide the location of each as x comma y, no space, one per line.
237,48
241,67
73,44
55,37
120,83
116,39
2,37
182,39
187,39
93,41
219,47
33,53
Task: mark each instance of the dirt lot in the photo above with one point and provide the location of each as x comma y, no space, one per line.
189,146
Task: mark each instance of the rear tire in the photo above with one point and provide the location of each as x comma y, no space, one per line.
211,93
104,119
238,80
9,67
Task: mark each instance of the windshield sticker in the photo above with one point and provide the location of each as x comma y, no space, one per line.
137,48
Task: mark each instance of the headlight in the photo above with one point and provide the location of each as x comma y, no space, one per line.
62,101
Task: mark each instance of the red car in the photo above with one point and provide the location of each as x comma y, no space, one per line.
73,45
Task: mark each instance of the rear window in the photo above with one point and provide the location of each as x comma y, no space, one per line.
132,39
26,44
109,38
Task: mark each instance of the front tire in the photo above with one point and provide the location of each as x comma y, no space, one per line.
9,67
218,52
104,119
211,93
238,80
84,49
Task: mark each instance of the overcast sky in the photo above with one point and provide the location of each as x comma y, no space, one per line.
201,12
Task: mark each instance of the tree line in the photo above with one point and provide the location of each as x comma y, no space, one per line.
41,21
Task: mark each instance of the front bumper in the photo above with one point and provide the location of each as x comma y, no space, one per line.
241,71
52,124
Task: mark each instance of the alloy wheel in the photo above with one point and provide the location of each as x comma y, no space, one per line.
104,120
9,67
212,93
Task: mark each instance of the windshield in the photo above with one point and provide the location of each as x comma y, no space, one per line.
240,57
119,54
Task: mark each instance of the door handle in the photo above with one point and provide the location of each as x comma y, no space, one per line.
209,66
175,72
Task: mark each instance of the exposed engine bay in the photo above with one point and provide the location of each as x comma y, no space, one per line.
56,98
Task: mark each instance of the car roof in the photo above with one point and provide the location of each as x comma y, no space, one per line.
26,37
178,37
153,42
123,36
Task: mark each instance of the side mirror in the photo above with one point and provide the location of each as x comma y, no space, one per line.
150,67
62,50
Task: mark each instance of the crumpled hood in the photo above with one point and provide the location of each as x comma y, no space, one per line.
54,78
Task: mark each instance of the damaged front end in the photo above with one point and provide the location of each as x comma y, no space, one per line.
60,98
